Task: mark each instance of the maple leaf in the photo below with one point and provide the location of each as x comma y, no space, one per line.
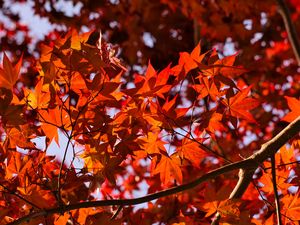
38,196
191,61
291,206
83,213
111,167
12,114
207,87
173,116
61,219
225,208
239,105
52,120
19,137
167,167
109,90
50,73
211,121
190,150
92,157
152,143
281,181
215,200
102,163
9,74
286,154
78,83
188,62
152,84
39,97
294,105
223,68
14,165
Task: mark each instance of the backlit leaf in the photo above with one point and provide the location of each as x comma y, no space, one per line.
9,74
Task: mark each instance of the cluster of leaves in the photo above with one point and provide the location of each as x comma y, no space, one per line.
119,133
161,130
253,27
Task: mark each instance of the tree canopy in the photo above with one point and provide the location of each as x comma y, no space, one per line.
150,112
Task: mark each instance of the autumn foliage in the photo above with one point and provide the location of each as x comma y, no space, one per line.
196,135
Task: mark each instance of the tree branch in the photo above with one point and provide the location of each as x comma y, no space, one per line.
196,31
271,147
245,177
267,150
290,28
248,165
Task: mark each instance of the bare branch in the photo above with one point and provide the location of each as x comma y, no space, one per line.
271,147
290,28
196,31
267,150
247,163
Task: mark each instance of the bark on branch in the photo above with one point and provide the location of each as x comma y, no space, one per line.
266,151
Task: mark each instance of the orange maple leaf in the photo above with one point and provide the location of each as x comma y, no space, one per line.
152,84
223,67
173,115
239,105
207,87
38,196
294,105
291,206
19,137
190,61
211,121
167,167
52,119
190,150
225,208
152,143
39,97
9,74
267,182
61,219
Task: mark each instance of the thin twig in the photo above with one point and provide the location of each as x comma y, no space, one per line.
70,137
277,201
196,31
269,203
290,28
19,196
283,164
117,212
